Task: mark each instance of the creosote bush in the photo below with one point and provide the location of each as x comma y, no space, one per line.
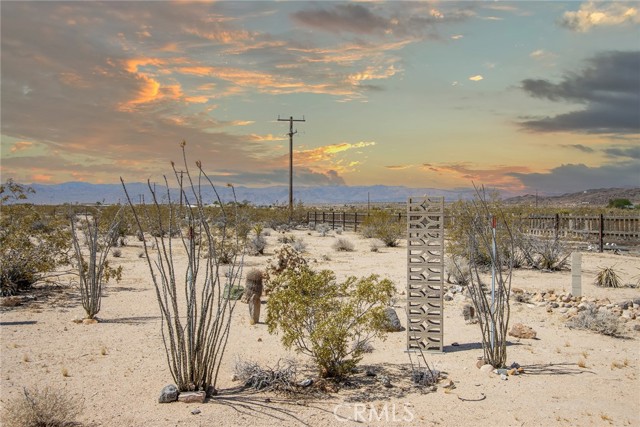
331,322
42,408
284,258
33,245
384,226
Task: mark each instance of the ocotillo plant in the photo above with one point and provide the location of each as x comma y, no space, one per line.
196,315
93,267
492,310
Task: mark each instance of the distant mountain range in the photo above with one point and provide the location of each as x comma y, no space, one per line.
85,193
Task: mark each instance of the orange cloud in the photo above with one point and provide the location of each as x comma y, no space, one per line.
498,176
21,146
39,177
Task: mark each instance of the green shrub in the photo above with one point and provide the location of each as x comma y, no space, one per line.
33,245
620,203
608,278
331,322
384,226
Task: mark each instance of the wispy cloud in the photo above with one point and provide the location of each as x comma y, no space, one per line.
476,78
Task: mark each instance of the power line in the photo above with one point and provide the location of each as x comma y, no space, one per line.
291,133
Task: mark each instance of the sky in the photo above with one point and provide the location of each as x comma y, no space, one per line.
519,96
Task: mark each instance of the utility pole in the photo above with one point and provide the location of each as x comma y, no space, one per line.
291,133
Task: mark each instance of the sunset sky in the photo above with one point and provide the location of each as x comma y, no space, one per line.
522,96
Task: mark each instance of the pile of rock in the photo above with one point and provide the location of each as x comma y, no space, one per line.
570,305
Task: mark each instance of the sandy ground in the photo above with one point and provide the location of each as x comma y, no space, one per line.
118,367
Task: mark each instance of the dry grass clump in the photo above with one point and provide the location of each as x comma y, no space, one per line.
608,278
42,408
342,245
280,378
602,322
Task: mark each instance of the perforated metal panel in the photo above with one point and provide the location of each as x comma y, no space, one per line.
425,273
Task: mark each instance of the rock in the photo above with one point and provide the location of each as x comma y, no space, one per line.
517,291
583,306
487,369
480,363
393,322
455,344
503,377
168,394
514,365
522,331
636,327
554,305
370,373
572,311
306,383
386,381
448,296
192,397
549,309
449,384
567,298
196,411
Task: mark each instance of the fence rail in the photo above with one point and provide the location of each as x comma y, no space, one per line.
609,228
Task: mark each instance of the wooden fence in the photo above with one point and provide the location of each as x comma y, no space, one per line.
597,228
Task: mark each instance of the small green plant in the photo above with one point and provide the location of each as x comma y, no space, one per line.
47,408
620,203
342,245
608,278
331,322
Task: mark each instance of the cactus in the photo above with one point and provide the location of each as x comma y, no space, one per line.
252,294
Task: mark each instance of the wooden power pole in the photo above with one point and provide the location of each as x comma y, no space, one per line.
291,133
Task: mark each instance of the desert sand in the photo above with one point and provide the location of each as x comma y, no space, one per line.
118,366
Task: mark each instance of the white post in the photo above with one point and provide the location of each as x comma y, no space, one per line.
576,274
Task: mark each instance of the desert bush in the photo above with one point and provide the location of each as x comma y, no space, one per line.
196,317
329,321
342,245
457,267
608,278
384,226
284,258
256,244
33,246
279,378
93,268
546,253
602,322
323,229
42,408
117,253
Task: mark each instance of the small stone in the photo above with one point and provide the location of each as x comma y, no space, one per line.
392,323
370,373
192,397
449,384
554,305
386,381
520,370
267,400
636,327
196,411
168,394
259,339
306,383
520,330
433,388
503,377
480,363
549,309
563,310
448,296
455,344
512,372
487,369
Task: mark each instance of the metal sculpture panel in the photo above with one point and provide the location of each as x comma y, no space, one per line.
425,273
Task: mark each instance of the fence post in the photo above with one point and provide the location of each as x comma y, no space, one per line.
323,217
601,243
556,225
333,220
355,223
344,221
